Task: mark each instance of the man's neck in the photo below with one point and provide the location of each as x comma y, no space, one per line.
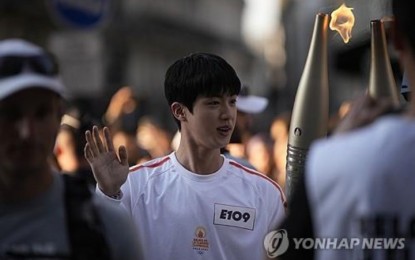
199,161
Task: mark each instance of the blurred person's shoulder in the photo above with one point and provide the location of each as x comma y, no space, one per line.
98,224
386,129
367,150
118,230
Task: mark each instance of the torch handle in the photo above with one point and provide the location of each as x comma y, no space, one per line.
295,167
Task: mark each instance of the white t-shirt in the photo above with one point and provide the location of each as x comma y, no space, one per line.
183,215
362,185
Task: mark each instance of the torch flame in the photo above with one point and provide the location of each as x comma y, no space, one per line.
342,20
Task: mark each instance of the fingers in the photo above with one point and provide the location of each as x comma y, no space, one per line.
97,139
88,153
376,108
91,143
384,105
364,111
360,104
94,142
122,152
108,140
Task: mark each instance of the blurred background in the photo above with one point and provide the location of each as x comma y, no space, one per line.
103,45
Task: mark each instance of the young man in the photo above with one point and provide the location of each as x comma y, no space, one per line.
193,203
43,216
357,186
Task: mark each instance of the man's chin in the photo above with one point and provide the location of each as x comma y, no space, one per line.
223,144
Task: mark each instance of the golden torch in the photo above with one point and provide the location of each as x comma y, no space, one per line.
310,112
382,82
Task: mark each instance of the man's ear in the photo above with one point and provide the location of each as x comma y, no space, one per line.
178,111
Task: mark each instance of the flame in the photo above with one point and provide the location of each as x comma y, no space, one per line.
342,20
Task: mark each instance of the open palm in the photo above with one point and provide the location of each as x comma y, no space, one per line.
110,172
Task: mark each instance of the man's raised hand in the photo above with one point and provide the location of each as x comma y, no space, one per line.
110,171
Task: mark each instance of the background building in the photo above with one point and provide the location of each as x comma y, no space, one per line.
103,45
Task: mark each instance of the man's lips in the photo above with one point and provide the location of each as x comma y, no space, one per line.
224,129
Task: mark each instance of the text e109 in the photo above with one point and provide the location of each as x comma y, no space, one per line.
234,215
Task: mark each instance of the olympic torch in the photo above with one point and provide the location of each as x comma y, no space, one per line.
310,112
382,82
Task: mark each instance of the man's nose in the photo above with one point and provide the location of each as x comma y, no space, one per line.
226,111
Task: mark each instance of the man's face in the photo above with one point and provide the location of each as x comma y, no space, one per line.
212,121
29,122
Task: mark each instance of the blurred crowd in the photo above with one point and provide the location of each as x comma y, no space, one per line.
146,137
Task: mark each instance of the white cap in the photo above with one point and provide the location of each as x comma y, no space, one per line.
249,103
26,78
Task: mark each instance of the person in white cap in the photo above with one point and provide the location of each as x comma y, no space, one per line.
44,215
247,106
250,104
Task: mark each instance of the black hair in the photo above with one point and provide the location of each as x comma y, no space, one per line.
199,75
403,11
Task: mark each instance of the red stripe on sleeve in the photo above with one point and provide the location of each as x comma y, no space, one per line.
250,171
153,165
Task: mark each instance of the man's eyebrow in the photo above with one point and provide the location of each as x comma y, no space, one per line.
221,95
213,96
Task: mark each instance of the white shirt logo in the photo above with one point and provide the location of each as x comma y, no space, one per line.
234,216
